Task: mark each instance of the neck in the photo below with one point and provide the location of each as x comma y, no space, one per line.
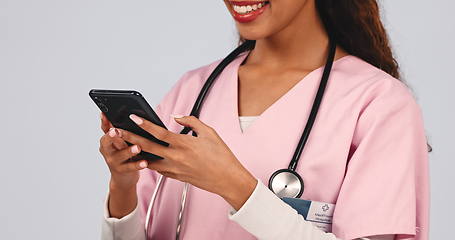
303,44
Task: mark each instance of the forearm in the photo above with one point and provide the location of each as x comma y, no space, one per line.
122,201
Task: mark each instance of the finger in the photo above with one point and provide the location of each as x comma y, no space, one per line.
157,131
118,158
144,143
110,142
106,146
195,124
133,166
105,123
117,142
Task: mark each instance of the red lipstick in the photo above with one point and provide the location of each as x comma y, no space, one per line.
244,12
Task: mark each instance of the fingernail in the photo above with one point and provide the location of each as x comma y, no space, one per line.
135,149
101,115
112,132
136,119
143,164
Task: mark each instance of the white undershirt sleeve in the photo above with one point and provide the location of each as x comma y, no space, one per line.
129,227
263,214
267,217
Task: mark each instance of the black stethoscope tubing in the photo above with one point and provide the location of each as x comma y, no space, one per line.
248,45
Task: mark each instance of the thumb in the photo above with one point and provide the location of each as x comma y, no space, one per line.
192,122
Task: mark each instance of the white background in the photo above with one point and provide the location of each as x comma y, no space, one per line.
53,179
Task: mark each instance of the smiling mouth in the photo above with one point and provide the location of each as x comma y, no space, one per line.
247,7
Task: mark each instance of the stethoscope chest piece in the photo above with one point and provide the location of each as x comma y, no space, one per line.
286,183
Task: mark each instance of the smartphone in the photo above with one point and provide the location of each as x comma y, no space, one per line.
117,105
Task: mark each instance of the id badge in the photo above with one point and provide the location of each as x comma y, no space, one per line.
320,214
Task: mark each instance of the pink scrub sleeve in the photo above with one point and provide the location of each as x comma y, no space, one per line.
385,190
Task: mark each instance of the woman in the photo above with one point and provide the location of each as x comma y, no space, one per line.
366,153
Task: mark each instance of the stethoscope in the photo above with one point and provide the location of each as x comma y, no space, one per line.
284,182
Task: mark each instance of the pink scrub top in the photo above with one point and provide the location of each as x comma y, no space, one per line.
367,152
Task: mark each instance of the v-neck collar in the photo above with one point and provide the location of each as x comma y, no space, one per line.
234,94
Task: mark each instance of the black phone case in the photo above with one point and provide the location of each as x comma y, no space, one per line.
117,105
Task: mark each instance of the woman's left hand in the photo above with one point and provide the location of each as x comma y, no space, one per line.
204,161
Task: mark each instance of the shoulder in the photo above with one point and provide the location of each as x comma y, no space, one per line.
382,101
189,83
196,77
184,92
372,85
376,99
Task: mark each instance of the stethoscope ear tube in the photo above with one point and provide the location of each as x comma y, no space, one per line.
284,182
315,108
247,45
287,182
151,203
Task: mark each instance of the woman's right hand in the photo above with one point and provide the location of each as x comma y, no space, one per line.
124,175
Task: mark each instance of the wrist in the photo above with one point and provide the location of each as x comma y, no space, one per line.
118,185
239,189
122,200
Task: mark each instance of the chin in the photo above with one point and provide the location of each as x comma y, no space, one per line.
252,17
253,33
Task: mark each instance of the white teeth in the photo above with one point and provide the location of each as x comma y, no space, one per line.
242,9
247,8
